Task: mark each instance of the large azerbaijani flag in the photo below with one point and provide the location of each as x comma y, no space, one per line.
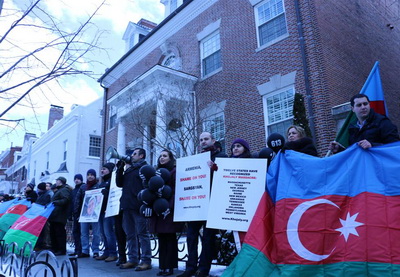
29,225
12,214
373,89
336,216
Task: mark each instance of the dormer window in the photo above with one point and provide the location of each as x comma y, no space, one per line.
136,32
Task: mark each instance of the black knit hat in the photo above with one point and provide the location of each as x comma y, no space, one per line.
91,171
41,186
79,177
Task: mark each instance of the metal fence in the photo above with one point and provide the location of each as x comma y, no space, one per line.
224,254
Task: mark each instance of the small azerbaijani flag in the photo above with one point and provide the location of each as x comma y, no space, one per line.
373,89
29,226
5,205
336,216
12,214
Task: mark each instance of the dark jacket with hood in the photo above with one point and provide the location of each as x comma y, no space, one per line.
131,185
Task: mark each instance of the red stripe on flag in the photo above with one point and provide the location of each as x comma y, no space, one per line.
320,230
378,106
17,209
30,225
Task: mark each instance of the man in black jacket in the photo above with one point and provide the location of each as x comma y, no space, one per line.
58,218
195,266
134,224
370,129
76,227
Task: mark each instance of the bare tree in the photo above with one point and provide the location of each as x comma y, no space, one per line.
63,52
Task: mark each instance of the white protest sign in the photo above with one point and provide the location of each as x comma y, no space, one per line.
91,206
113,198
192,191
237,189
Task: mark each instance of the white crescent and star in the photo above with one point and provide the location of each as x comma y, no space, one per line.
348,227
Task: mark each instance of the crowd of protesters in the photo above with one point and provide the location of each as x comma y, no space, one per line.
123,234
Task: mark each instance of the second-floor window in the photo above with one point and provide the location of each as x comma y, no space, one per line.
210,50
270,21
112,117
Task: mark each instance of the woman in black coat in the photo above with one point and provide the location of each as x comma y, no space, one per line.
164,226
298,141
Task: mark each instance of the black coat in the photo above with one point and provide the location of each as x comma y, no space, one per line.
131,184
73,202
378,129
31,196
304,145
105,186
61,200
80,195
44,198
160,225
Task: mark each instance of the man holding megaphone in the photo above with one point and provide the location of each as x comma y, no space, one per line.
133,223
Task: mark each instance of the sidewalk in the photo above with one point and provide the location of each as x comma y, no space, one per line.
91,267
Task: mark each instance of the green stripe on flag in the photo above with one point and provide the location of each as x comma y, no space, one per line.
343,134
252,262
20,237
6,221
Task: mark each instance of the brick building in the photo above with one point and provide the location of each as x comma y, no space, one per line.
232,67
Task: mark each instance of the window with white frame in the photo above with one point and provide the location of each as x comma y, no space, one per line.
65,150
216,126
270,21
279,107
112,122
210,50
94,146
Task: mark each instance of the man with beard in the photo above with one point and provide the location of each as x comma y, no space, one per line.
195,266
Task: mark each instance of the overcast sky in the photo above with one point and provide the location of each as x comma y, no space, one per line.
113,18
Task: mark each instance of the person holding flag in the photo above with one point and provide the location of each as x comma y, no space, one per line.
370,129
364,124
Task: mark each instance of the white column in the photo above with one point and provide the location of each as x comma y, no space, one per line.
121,138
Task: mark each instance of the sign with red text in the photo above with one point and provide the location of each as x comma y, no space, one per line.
192,191
237,189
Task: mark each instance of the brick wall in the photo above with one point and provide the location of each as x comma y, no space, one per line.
342,41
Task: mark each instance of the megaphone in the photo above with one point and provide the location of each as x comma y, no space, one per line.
113,154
